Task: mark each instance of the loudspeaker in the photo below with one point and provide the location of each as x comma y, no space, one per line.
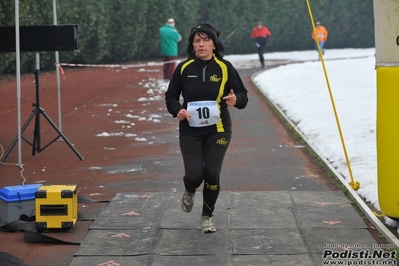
40,38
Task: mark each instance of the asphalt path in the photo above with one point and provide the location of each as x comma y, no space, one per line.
263,154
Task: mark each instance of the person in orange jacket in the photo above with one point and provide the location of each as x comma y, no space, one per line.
322,34
259,36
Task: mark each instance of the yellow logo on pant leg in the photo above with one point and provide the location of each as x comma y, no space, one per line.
211,187
222,141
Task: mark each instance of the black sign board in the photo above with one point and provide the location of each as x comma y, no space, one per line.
40,38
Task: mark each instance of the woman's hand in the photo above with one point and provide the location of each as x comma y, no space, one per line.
183,114
231,99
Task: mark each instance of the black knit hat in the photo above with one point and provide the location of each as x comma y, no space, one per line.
207,29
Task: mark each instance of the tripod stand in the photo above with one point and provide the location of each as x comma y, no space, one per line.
37,111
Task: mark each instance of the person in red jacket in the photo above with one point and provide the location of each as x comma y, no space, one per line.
259,36
322,35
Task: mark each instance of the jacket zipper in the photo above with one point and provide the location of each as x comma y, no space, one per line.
203,73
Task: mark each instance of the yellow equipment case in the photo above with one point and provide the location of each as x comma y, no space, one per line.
56,206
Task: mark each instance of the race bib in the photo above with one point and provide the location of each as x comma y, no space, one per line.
203,113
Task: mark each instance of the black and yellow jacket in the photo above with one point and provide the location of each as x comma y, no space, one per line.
197,80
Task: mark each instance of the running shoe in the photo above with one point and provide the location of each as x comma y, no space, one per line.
207,225
187,201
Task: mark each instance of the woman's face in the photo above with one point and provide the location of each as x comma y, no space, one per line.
203,46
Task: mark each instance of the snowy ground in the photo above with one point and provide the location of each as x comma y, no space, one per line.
301,91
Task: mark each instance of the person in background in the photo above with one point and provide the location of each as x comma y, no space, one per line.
169,50
322,34
208,85
259,36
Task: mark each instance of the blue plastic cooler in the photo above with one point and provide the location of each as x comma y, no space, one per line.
17,200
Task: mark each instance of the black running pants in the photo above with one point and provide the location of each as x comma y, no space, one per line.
203,157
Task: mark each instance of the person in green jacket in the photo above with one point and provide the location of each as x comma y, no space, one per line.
169,50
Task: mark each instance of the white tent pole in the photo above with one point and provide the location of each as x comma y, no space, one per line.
18,66
57,70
